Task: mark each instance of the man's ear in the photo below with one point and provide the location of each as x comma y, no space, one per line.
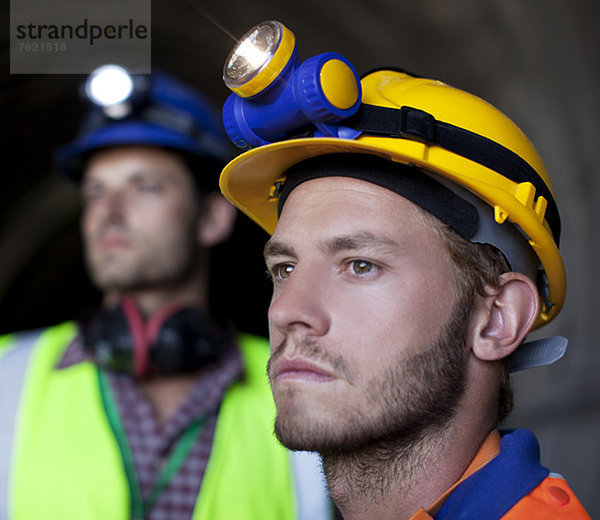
504,317
217,220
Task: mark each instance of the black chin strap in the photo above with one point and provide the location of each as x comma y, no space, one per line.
413,123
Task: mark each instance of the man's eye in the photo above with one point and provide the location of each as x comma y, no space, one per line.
282,271
149,186
361,266
91,194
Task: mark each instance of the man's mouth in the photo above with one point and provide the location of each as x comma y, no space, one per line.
298,369
113,241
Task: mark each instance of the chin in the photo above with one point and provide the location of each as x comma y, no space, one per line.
296,420
112,283
320,436
305,429
299,437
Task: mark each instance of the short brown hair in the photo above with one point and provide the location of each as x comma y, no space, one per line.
477,268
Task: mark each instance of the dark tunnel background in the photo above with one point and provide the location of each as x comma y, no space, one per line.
539,62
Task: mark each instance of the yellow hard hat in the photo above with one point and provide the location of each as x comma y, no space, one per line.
451,134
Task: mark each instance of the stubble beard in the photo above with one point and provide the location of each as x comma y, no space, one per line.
412,402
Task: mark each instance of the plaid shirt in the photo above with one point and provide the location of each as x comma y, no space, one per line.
152,443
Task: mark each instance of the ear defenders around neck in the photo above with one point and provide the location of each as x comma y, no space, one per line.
173,340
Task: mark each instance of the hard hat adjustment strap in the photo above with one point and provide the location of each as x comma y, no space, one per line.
538,353
182,122
165,117
407,181
417,123
412,123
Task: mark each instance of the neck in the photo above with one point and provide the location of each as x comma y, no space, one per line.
395,477
148,302
387,480
193,291
166,393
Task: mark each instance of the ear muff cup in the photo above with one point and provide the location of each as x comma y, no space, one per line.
184,342
173,340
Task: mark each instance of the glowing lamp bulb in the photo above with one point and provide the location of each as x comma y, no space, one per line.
109,85
258,58
248,60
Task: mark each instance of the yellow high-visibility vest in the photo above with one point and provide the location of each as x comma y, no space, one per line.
65,462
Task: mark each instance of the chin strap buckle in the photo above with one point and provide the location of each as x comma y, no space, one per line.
538,353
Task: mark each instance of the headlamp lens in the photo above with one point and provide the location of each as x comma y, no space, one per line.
253,52
109,85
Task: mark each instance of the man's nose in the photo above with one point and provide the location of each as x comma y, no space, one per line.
113,206
301,303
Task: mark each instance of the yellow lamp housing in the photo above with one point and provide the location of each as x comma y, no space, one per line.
274,95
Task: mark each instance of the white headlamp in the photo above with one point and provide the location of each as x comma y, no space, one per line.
253,53
110,86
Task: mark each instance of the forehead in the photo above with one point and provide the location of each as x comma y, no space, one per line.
120,162
347,205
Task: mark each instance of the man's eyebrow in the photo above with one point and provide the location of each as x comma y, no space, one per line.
360,240
153,172
276,248
133,176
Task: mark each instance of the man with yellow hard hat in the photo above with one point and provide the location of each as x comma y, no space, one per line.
414,246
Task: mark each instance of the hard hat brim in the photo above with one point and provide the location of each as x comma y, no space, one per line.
70,158
249,182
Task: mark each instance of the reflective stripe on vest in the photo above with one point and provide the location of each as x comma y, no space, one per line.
65,453
13,365
311,494
62,432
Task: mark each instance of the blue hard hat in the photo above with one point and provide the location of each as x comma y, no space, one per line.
170,115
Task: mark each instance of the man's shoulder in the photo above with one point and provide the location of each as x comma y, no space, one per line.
58,335
19,340
553,498
548,498
512,485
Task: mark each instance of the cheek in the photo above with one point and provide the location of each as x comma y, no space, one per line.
275,335
156,220
403,312
88,222
175,215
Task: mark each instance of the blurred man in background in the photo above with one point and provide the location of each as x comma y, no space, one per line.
153,407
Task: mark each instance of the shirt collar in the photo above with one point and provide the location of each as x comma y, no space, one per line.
73,354
488,450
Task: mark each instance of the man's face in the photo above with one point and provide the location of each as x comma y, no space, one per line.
140,218
366,342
